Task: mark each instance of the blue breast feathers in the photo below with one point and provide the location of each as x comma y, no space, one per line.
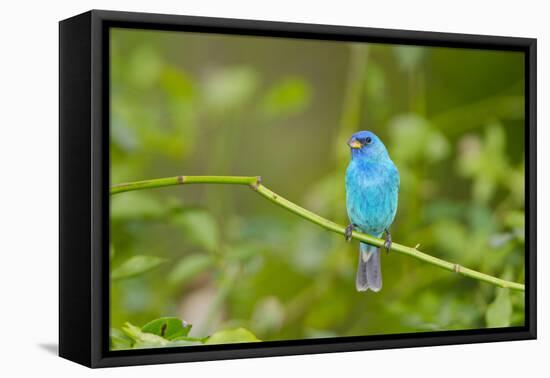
371,194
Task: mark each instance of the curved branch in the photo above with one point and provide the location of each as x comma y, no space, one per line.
256,184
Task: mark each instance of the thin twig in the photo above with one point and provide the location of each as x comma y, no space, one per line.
256,184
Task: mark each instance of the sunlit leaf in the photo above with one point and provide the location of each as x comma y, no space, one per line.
200,227
268,315
111,252
168,327
485,161
243,251
414,138
375,81
239,335
189,267
119,340
231,87
499,312
177,83
135,206
184,342
144,66
409,57
287,97
515,219
143,339
136,265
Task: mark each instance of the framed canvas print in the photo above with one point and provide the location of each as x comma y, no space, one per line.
234,188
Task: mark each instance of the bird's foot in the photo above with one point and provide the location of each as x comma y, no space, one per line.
348,232
387,241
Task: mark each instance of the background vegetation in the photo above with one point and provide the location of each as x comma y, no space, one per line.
238,268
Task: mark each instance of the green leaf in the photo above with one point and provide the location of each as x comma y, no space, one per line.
184,342
200,228
287,97
499,312
239,335
243,251
111,252
409,57
136,265
143,339
413,138
136,205
119,340
229,87
268,315
515,219
189,267
168,327
144,68
177,83
198,340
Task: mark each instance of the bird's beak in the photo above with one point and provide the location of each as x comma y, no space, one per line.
354,143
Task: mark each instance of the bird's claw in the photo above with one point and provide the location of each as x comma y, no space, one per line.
348,232
387,241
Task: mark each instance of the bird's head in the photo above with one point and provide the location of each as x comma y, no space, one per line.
366,145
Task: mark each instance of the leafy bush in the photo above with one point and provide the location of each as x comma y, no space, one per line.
172,332
452,120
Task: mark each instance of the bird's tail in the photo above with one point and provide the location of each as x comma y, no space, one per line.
369,274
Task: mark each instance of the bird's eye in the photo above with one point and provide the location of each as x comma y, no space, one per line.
368,140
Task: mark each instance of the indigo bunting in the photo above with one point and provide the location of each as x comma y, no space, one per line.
372,186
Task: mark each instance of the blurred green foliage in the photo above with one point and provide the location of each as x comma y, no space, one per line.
171,332
223,259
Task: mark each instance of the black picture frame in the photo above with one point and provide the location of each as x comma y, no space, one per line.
84,187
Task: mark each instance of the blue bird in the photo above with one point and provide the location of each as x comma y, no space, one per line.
372,186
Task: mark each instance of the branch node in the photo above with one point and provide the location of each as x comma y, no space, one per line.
181,179
257,183
456,268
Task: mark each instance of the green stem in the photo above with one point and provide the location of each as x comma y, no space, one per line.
179,180
256,185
